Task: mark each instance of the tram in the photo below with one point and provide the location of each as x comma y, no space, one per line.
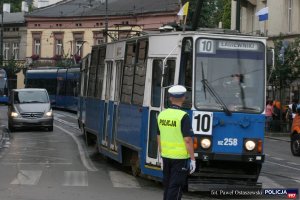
124,87
3,87
62,85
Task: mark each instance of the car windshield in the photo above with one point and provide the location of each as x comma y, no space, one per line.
37,96
230,75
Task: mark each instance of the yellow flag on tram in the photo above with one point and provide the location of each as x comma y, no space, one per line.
184,10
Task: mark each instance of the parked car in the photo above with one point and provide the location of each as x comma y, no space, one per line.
29,107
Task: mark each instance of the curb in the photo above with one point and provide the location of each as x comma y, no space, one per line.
4,140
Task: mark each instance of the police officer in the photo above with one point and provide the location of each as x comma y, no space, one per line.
175,144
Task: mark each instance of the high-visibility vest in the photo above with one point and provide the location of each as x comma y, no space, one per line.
172,142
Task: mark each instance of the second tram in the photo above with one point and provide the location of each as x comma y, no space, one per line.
62,85
3,87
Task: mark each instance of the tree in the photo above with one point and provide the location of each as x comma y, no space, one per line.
287,62
287,65
213,12
12,68
17,4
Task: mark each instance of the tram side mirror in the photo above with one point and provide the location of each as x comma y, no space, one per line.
270,57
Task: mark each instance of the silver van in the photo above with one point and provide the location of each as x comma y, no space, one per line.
29,107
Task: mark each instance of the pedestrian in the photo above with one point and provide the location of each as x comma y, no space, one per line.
269,113
175,144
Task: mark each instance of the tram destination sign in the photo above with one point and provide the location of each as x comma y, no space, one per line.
238,45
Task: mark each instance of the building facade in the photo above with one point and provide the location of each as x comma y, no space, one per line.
283,17
71,28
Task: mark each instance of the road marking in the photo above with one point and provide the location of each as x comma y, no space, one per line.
65,114
283,165
84,158
37,156
73,125
35,163
275,158
292,163
268,183
27,177
122,180
75,178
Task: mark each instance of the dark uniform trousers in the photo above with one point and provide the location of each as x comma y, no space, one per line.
175,173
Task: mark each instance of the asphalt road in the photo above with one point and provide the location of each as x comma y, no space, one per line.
41,165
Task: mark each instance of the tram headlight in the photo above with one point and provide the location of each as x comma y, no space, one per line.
14,114
250,145
205,143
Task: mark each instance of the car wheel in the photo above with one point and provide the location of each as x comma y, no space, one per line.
295,145
50,128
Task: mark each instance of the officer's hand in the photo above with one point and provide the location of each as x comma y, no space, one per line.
160,160
192,166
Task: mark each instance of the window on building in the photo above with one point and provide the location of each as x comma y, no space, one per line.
58,47
16,51
58,44
37,46
36,50
5,51
78,44
290,4
98,38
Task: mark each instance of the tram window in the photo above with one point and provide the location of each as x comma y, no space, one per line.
92,72
156,80
100,73
61,86
108,80
140,73
71,87
118,80
153,129
48,84
127,84
186,69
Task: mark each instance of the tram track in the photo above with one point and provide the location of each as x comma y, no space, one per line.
281,176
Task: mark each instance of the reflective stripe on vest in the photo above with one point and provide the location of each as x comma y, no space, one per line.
172,142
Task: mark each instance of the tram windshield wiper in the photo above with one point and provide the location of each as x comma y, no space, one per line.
214,93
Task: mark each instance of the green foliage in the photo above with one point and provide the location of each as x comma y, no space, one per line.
213,12
12,68
288,69
15,5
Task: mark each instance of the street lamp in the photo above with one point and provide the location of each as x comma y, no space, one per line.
106,19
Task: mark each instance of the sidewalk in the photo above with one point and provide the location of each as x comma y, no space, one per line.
284,136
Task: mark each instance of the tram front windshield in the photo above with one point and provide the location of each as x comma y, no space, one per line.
229,75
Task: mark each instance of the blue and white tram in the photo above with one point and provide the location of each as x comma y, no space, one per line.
3,87
123,88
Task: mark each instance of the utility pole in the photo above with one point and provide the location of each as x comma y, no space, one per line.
238,15
106,22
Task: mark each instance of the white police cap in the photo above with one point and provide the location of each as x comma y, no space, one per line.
177,91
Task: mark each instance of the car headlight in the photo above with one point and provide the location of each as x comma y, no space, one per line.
49,113
14,114
205,143
250,145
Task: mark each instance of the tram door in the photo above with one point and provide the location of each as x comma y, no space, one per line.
108,103
116,96
159,100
